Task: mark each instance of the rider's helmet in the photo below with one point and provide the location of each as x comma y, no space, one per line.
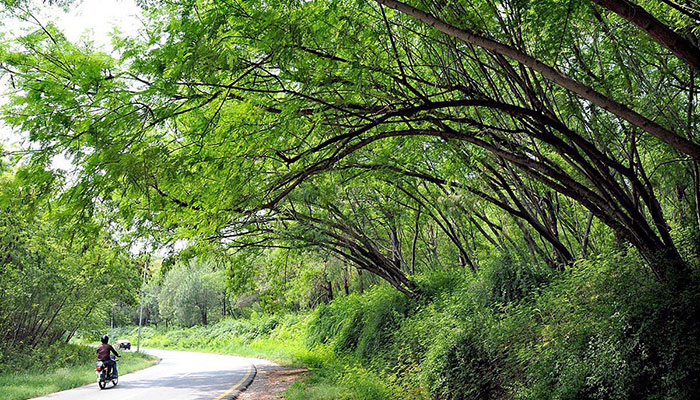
105,339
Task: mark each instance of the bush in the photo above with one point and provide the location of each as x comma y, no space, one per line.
363,325
462,364
338,323
46,358
508,282
604,329
383,313
608,330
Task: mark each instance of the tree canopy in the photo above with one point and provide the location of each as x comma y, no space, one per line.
372,130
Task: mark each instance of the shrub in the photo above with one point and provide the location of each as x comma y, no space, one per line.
46,358
383,313
608,330
508,282
363,325
328,320
463,365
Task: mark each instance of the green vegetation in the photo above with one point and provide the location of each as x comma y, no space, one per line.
491,199
259,336
54,280
600,330
57,367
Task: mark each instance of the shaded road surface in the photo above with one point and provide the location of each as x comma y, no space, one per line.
179,375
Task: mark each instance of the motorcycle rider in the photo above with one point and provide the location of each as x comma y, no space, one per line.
103,352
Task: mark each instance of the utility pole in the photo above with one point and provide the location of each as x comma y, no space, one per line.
143,284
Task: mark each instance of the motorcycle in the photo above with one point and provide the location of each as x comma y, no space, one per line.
104,374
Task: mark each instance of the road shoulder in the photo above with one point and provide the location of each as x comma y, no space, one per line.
271,381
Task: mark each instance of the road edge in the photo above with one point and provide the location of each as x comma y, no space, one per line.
247,382
242,385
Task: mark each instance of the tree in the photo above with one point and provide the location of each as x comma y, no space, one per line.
53,281
189,294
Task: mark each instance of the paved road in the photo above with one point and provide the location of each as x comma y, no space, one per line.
179,375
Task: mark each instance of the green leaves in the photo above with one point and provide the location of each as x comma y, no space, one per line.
231,120
54,279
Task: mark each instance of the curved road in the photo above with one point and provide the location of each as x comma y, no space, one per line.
179,375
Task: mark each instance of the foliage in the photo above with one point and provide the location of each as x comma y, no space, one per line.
483,198
511,283
219,124
190,293
602,330
55,280
610,335
356,324
48,358
463,366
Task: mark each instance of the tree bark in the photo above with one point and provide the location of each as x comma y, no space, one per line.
657,30
586,235
203,313
415,241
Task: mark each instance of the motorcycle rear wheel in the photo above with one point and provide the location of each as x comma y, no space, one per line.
102,383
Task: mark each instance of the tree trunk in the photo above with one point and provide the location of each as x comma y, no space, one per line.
360,282
586,235
223,304
203,313
662,34
346,281
415,241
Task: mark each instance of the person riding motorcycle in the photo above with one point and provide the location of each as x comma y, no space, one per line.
103,352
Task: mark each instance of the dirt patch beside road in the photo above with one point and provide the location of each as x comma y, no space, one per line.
271,381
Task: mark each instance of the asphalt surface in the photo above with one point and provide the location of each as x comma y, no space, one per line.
179,375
